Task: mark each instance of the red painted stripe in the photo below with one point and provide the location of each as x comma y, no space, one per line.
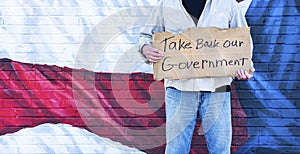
123,107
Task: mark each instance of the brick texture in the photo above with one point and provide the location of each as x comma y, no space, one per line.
44,38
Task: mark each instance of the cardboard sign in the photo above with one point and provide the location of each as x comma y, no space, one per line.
202,53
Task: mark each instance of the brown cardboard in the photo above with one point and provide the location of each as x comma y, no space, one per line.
202,53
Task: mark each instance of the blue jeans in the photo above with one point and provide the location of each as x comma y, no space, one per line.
214,110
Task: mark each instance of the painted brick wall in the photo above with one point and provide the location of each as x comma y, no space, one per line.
271,99
266,114
52,32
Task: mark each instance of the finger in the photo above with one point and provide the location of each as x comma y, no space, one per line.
248,75
238,75
154,54
157,51
241,74
154,59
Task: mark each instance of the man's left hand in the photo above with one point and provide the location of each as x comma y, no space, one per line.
244,75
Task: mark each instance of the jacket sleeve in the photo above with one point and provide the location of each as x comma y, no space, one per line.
154,24
238,19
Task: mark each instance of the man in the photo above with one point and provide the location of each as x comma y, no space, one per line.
208,98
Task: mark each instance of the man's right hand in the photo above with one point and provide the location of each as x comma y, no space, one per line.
152,54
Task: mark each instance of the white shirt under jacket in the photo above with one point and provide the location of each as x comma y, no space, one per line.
171,16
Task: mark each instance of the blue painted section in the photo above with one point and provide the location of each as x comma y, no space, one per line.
272,99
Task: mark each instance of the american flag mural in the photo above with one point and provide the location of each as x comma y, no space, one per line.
72,81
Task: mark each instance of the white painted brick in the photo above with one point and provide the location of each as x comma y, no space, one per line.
40,20
52,31
40,11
